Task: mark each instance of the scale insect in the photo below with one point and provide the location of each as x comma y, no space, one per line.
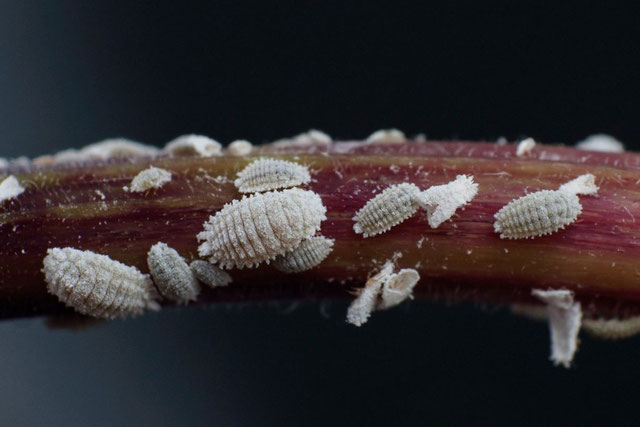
171,274
310,253
260,227
401,201
96,285
209,274
150,178
388,209
271,174
543,212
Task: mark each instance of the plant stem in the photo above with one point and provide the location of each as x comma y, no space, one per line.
84,206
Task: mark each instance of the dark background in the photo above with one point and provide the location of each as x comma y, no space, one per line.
72,73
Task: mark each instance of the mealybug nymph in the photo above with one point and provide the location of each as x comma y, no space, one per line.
209,274
171,274
271,174
96,285
543,212
148,179
307,255
260,227
10,188
389,208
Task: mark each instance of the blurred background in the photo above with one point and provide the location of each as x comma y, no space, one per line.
72,73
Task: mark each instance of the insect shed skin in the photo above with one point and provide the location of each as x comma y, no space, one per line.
309,254
271,174
96,285
543,212
171,274
258,228
386,210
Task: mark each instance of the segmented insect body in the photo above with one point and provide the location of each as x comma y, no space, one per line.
149,178
543,212
388,209
307,255
96,285
537,214
271,174
209,274
260,227
171,274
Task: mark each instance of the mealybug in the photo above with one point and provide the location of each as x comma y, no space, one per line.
525,147
601,143
193,145
171,274
388,209
271,174
565,317
543,212
386,136
10,188
96,285
612,329
148,179
307,255
239,147
260,227
313,137
209,274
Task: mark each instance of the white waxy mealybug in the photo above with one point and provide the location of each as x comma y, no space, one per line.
382,291
388,209
171,274
565,317
193,145
601,143
386,136
525,147
612,329
313,137
209,274
239,147
307,255
149,178
106,149
271,174
441,201
96,285
260,227
543,212
10,188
